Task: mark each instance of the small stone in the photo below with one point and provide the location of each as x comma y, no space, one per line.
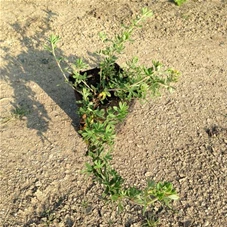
187,223
39,195
61,224
88,209
148,174
38,184
182,180
69,222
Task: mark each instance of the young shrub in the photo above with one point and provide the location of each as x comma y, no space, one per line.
105,95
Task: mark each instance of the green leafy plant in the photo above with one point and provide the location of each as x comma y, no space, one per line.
99,119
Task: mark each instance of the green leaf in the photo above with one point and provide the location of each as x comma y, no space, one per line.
179,2
173,197
85,93
102,36
114,197
89,168
98,164
80,64
151,184
54,39
146,12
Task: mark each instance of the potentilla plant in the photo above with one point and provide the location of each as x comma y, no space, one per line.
105,94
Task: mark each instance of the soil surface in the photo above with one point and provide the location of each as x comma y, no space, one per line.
179,137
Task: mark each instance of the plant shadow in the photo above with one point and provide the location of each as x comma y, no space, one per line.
33,67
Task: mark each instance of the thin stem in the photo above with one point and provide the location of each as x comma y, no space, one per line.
62,71
57,61
87,86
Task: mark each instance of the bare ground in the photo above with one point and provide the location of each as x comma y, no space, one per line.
179,137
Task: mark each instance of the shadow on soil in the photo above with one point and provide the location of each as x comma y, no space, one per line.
36,66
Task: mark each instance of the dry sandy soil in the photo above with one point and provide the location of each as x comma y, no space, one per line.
179,137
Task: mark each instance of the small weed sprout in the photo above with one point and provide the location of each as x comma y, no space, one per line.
19,112
149,222
179,2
